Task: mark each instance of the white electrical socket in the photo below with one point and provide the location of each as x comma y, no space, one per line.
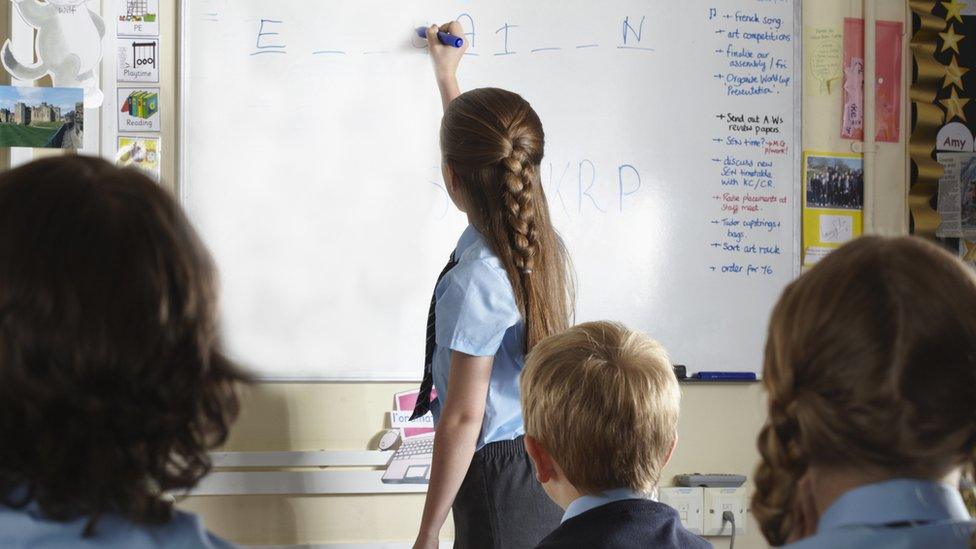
688,502
719,500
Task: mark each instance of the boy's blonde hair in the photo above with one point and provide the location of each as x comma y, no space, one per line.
603,401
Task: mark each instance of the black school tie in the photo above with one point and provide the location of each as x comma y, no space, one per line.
427,385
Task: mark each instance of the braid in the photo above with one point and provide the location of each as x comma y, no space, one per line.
493,142
777,476
520,209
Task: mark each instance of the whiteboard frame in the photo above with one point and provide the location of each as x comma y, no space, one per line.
798,136
183,62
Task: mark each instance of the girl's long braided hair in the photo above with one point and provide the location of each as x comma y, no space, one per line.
493,141
870,363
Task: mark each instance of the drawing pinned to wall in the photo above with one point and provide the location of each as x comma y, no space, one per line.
68,45
139,152
887,87
138,60
833,202
138,18
139,110
51,118
824,64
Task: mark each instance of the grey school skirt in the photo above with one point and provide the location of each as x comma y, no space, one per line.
500,504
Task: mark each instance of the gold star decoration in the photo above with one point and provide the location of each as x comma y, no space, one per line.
954,74
954,106
954,10
950,40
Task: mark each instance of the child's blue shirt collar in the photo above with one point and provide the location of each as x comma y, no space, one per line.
895,502
586,503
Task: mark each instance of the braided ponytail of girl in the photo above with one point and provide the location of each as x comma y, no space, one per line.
777,477
520,209
493,142
848,372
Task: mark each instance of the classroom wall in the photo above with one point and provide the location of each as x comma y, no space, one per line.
717,428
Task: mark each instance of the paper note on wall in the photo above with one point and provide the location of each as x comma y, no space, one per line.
824,61
957,196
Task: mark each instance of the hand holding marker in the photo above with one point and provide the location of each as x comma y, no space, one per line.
444,38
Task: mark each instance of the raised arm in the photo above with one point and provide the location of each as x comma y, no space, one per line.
455,442
446,60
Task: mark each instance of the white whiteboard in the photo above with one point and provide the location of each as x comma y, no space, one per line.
309,163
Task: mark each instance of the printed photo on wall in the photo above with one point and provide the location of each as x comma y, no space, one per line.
138,110
141,153
833,202
52,118
138,18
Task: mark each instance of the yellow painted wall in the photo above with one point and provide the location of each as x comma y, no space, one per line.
717,429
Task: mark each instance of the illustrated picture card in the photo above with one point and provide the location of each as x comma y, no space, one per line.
138,18
138,60
138,109
139,152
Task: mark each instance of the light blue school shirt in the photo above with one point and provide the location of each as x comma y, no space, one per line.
894,514
28,528
476,314
586,503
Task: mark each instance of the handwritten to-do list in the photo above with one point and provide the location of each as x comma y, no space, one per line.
310,163
753,146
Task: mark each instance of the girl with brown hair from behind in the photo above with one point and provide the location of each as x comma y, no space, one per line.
505,288
870,366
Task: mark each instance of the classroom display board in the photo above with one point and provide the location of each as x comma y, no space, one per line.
310,164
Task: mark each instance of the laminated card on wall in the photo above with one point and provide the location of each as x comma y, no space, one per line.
139,152
138,18
138,109
138,60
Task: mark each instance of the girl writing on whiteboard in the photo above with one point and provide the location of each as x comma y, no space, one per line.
505,287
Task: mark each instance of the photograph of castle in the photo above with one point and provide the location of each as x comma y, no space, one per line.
52,118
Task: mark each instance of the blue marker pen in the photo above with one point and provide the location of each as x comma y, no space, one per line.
445,38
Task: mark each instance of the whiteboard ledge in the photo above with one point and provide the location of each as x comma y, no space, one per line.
300,483
323,458
336,379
